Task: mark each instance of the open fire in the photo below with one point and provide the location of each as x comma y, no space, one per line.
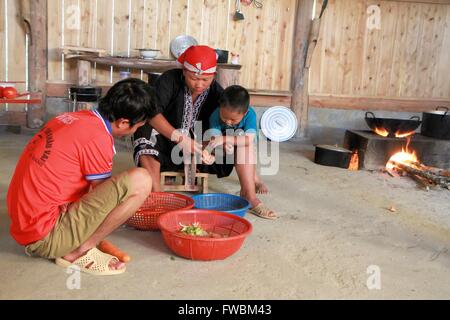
381,132
384,133
406,162
405,157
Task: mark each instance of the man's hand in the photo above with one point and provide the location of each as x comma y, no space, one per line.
63,208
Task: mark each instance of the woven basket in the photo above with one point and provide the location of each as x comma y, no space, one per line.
155,205
221,202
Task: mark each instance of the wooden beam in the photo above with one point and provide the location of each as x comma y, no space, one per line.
227,77
10,118
152,65
377,103
270,98
61,89
257,98
37,58
299,85
84,73
424,1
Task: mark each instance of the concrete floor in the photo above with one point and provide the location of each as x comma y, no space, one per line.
334,225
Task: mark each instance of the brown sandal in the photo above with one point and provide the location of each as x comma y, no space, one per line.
262,211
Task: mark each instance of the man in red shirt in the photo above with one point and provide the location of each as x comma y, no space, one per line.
62,199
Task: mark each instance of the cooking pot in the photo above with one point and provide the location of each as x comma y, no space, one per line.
436,124
392,126
85,93
222,56
332,156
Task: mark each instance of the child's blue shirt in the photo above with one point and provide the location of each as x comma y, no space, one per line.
247,124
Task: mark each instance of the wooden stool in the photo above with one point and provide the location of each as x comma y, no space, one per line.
201,185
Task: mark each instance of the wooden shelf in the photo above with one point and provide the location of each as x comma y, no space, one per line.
31,98
148,65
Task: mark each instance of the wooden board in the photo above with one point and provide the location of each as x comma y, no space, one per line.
88,27
407,57
178,18
16,54
163,35
104,37
153,24
195,19
12,51
375,103
150,25
54,33
72,36
2,43
136,31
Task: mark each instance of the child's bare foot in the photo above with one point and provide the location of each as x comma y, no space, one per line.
261,188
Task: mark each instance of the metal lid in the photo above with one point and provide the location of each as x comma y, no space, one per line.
279,124
180,44
333,148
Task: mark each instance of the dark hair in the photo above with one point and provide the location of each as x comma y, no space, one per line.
130,99
236,98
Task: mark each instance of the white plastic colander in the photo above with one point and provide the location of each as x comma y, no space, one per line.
279,124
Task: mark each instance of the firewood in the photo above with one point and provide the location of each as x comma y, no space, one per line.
425,183
437,179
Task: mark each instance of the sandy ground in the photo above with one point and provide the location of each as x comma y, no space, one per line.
334,226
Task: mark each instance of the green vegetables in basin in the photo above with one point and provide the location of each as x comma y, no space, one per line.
193,229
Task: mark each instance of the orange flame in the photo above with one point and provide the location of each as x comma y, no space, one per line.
381,131
354,162
404,157
399,134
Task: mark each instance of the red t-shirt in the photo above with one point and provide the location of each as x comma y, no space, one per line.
56,168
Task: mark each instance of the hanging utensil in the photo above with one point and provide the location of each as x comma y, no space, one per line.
238,15
324,6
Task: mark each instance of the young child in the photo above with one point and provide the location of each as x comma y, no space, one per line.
233,126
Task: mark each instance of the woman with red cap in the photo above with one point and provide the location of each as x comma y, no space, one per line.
184,96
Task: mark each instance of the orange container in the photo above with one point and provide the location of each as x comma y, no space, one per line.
154,206
235,228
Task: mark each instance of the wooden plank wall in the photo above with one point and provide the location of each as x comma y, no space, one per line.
408,57
12,49
263,39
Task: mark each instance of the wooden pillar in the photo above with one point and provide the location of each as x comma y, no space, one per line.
84,73
227,77
37,58
299,72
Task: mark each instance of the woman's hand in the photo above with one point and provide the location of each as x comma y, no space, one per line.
216,141
189,146
208,158
229,148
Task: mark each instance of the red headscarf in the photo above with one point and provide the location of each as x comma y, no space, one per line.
202,60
